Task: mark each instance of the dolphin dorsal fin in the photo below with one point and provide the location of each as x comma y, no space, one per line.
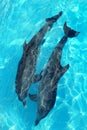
24,45
64,69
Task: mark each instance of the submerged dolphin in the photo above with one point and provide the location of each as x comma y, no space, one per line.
52,73
27,64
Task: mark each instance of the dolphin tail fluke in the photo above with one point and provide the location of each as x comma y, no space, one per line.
69,32
54,18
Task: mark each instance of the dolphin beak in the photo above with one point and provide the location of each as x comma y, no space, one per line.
24,104
36,122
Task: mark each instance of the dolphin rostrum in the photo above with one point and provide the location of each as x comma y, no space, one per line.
52,73
27,65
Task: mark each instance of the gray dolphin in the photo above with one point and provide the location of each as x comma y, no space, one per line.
52,73
27,65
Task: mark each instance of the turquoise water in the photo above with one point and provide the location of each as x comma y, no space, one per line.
20,20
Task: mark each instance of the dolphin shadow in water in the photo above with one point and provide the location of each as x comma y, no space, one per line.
52,73
27,65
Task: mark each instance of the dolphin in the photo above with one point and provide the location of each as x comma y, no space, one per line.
52,73
27,65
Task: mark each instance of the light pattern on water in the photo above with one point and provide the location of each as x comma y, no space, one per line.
20,20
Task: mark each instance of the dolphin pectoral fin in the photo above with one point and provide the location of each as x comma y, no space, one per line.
33,97
43,41
37,77
64,69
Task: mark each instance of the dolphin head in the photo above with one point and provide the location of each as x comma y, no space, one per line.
41,113
22,98
45,104
21,92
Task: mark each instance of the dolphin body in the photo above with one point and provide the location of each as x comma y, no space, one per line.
52,73
27,65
